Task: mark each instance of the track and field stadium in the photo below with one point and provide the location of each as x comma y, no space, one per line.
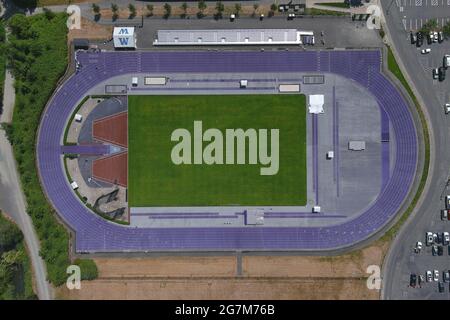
126,139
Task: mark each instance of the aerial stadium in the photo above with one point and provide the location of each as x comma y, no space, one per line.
196,150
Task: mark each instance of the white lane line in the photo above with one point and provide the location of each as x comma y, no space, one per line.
404,23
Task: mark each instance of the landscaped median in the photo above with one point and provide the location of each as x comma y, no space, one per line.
37,53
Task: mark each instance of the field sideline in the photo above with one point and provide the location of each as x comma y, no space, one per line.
154,180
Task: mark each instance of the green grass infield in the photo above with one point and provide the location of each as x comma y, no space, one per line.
155,180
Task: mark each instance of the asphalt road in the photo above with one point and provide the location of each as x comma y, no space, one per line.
12,200
401,260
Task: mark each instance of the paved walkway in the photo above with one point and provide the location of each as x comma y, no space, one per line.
12,200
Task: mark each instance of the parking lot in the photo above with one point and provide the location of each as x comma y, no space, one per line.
415,13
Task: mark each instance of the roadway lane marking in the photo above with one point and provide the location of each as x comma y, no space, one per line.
418,3
404,23
434,2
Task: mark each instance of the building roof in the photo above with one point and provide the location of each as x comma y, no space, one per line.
227,37
123,31
316,103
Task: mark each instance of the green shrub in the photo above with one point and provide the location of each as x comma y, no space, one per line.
88,269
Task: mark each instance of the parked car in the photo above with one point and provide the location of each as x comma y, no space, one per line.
413,38
444,212
440,36
421,279
441,73
418,247
436,275
413,280
446,239
441,287
429,276
446,61
446,276
435,36
291,16
429,39
419,41
434,250
429,239
425,51
435,73
439,238
440,251
447,202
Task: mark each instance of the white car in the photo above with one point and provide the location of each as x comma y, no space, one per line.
435,36
435,73
446,238
425,51
436,275
429,276
429,239
419,246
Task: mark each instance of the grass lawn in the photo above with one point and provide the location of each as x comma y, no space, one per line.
154,180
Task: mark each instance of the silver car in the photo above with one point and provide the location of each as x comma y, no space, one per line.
429,239
436,275
429,276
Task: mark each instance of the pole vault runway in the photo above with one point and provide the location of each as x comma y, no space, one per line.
94,234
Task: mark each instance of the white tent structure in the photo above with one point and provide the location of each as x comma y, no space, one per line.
316,103
124,38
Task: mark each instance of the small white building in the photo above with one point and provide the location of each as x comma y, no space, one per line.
243,84
254,217
316,103
124,38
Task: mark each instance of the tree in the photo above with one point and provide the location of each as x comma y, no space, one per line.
184,7
446,29
25,3
429,26
10,235
114,9
273,8
49,14
219,10
132,10
255,8
237,9
201,7
96,10
167,10
150,10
